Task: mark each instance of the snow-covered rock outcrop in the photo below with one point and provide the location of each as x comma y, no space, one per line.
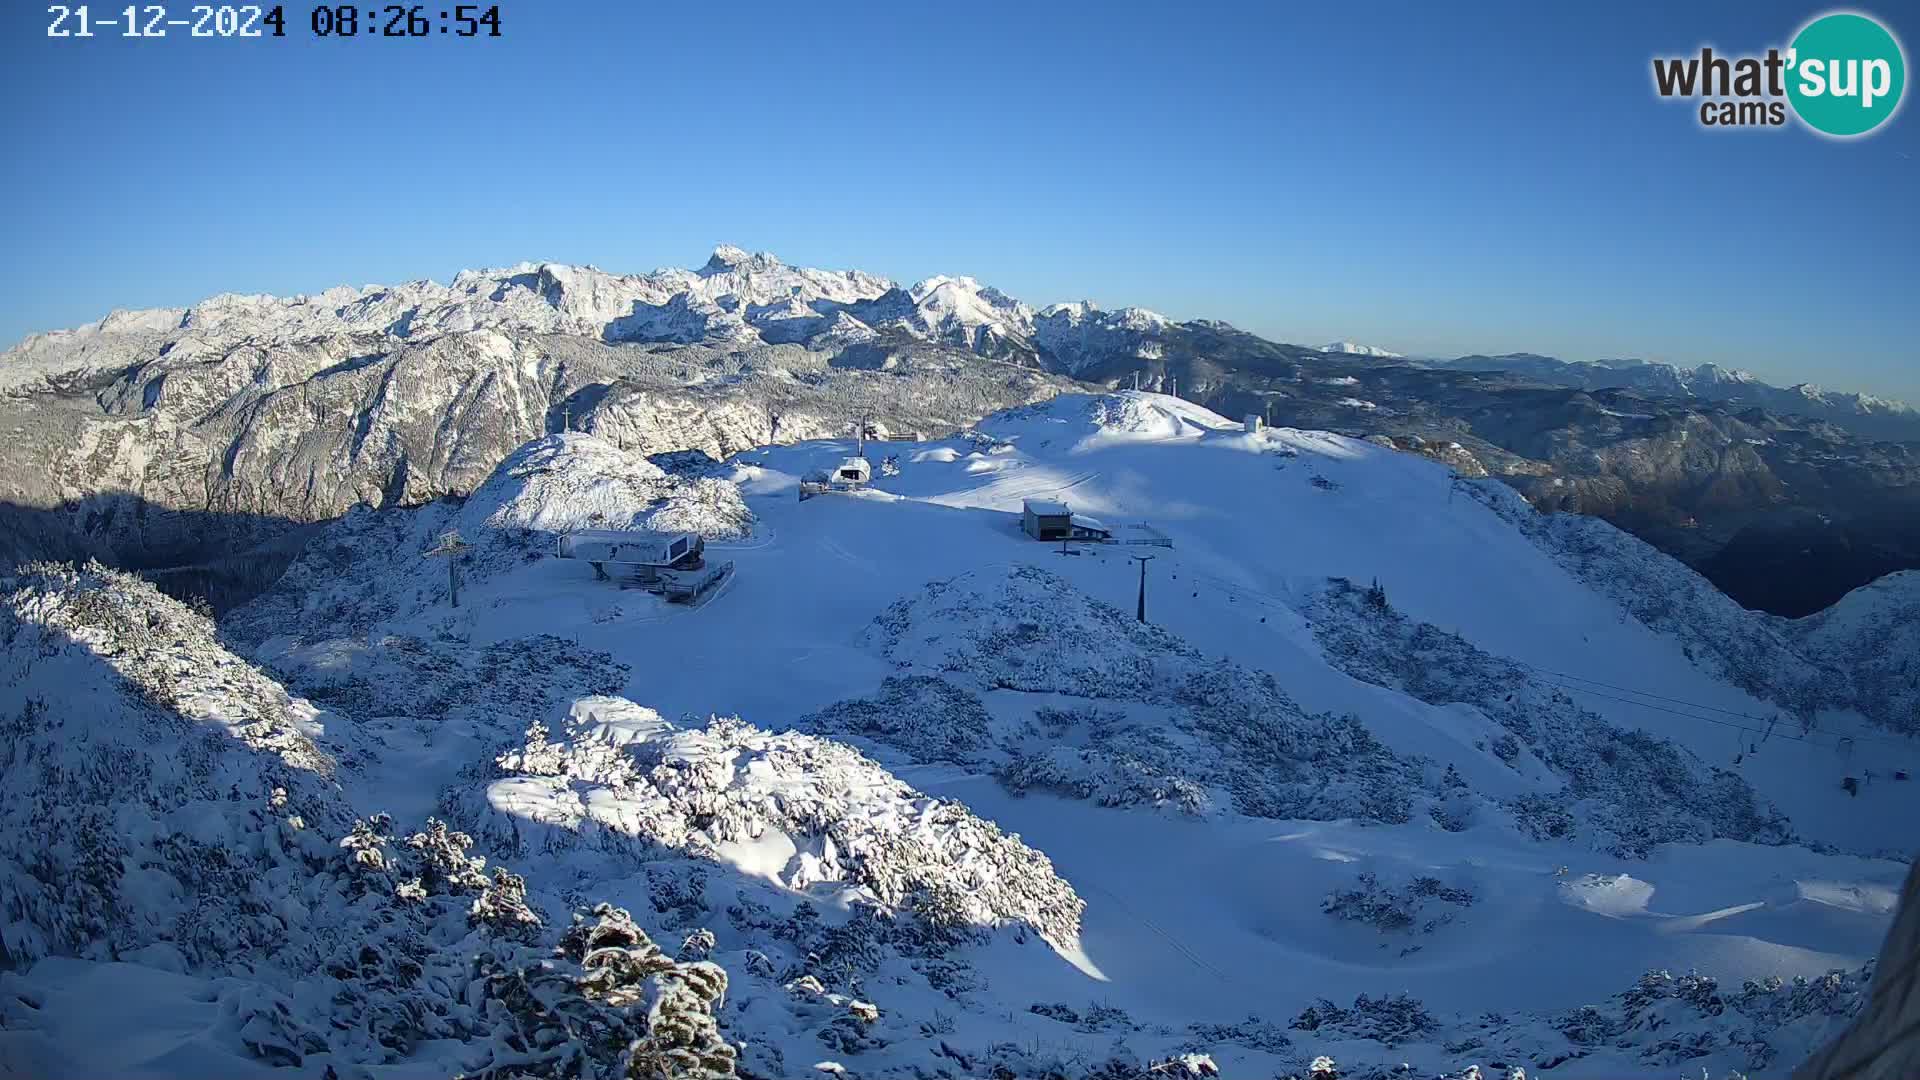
800,810
1081,421
561,483
369,566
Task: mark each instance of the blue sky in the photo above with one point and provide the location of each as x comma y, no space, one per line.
1431,180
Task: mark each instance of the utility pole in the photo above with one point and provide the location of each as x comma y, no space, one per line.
1141,613
450,548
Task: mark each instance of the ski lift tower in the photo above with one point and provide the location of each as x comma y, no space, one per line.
450,548
1141,614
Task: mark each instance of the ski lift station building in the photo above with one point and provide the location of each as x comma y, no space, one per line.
854,472
1046,519
626,546
673,565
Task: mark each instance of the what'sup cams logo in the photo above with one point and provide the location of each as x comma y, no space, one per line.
1843,75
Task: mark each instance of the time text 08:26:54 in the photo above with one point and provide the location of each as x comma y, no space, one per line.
255,21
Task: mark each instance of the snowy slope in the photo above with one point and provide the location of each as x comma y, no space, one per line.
840,562
182,835
1279,796
1873,634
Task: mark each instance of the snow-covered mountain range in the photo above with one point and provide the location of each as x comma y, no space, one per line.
173,438
185,439
735,298
1865,413
1396,770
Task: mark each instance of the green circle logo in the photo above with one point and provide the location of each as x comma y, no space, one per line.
1845,74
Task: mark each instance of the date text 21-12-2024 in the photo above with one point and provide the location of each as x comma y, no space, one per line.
258,21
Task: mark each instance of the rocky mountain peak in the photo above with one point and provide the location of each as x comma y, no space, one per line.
727,257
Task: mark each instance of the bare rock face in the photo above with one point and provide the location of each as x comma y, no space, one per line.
259,437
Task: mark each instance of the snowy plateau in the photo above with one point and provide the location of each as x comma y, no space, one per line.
1398,776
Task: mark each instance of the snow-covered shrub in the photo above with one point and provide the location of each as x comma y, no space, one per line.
1086,754
500,687
600,1001
619,773
1106,777
1867,644
1389,1021
928,717
1253,1033
1670,1018
1102,756
1016,1061
173,807
1096,1017
1626,791
1234,727
1421,905
135,745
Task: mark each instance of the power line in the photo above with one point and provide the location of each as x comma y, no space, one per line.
1765,733
1677,712
1808,738
1642,693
